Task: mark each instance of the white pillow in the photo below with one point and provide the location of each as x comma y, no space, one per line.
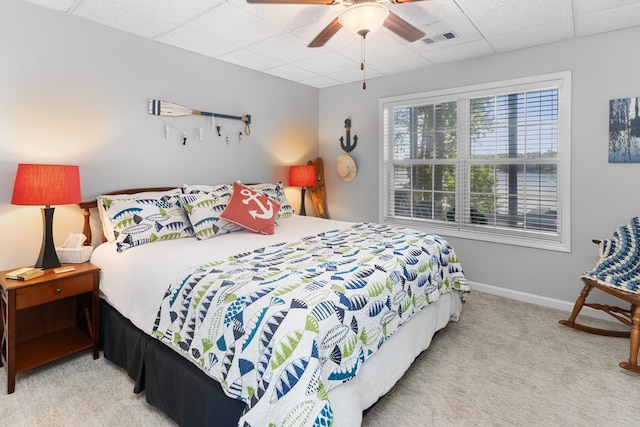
107,230
204,211
204,188
145,220
273,191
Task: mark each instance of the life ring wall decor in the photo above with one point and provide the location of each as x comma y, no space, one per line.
345,165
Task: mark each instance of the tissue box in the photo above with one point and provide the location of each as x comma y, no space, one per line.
74,255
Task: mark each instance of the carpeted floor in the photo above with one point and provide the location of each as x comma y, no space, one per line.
505,363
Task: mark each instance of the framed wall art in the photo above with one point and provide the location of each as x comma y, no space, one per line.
624,130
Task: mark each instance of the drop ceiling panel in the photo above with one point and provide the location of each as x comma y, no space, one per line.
174,11
608,20
285,47
377,51
326,63
273,38
122,18
523,14
464,30
532,36
459,52
232,25
417,13
291,72
437,10
322,81
475,5
194,41
355,75
248,59
587,7
399,64
62,5
288,16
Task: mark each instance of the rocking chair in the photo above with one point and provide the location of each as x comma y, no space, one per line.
617,273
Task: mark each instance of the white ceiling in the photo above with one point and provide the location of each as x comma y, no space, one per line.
273,38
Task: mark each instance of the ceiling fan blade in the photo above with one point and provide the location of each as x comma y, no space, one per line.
326,34
402,28
327,2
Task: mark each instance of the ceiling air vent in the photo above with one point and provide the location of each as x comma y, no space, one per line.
439,38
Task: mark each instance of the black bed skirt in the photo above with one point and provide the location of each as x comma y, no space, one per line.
170,382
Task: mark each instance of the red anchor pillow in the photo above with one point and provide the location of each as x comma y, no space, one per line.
251,210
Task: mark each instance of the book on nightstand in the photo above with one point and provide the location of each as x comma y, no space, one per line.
24,273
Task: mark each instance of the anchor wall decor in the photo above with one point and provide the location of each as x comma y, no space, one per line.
346,167
348,147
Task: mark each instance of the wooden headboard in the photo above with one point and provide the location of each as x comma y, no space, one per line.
90,204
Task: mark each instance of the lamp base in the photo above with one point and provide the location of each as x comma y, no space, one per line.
48,257
303,211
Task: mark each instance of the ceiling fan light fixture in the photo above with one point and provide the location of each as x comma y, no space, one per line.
363,18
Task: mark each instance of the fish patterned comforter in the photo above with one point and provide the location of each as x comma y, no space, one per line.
280,326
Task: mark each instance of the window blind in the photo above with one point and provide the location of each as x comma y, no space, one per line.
482,160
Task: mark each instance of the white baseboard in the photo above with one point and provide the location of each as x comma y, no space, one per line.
538,300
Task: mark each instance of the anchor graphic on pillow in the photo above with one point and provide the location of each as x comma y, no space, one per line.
266,213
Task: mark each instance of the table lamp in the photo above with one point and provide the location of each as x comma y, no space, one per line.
303,176
47,185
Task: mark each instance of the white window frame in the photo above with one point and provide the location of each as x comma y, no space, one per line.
561,81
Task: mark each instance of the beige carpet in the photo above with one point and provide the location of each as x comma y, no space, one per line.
505,363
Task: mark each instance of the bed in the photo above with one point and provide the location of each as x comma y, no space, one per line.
308,322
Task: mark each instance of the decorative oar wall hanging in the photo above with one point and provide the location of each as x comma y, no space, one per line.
170,109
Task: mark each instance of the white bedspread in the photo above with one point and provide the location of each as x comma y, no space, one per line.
137,293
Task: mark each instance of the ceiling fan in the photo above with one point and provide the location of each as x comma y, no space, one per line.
360,17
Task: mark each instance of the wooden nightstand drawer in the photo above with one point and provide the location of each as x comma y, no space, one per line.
48,317
52,291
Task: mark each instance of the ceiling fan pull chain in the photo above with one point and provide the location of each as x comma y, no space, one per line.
362,52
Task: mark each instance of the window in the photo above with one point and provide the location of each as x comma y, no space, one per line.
488,162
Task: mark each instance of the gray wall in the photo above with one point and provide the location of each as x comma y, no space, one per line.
603,197
74,92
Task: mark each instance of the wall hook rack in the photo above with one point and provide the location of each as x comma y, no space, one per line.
165,108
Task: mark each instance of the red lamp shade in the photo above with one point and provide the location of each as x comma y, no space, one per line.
46,185
303,176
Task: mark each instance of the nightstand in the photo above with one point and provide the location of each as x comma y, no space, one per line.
49,317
